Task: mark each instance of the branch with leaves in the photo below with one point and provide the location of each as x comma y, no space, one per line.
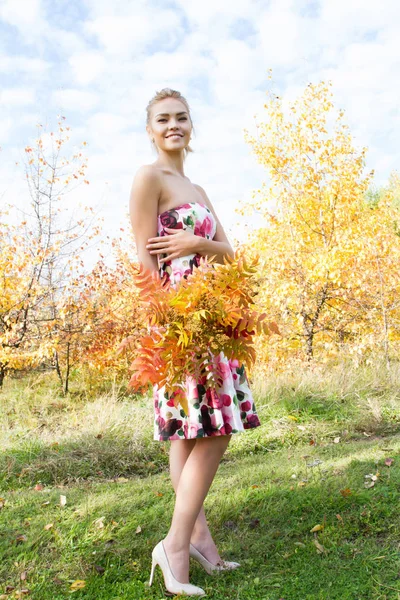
184,329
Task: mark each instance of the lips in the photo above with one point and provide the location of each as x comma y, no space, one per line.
174,134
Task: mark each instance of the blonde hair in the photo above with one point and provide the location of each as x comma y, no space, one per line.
168,93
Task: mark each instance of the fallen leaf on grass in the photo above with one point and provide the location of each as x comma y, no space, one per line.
346,492
254,523
320,548
48,526
21,593
99,523
230,524
2,502
138,529
78,584
99,569
38,487
373,478
339,518
336,440
21,538
389,462
316,528
63,500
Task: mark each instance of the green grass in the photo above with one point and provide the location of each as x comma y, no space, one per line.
306,465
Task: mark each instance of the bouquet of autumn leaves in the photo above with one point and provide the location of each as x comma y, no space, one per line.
212,310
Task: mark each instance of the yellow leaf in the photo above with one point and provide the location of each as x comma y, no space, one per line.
78,584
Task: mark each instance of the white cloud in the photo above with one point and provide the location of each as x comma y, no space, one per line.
87,66
73,100
284,37
132,32
12,64
26,16
5,130
24,13
14,97
201,14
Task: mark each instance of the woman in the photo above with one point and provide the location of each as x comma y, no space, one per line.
174,224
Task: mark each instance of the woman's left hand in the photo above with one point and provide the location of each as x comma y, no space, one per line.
179,242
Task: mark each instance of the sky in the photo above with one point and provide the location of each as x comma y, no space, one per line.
98,63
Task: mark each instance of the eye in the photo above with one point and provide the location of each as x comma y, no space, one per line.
181,119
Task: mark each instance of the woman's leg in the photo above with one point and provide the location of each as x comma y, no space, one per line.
194,482
201,537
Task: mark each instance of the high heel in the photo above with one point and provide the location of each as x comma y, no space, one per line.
159,557
223,565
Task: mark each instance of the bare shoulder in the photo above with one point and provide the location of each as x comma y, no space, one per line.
145,194
147,173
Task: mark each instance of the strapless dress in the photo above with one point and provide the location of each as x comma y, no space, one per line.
227,409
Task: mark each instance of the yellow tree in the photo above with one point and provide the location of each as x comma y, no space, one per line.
376,264
19,293
93,317
42,250
320,280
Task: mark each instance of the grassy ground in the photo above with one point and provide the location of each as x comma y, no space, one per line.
87,495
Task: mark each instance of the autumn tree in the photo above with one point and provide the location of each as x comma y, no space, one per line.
97,311
323,250
42,250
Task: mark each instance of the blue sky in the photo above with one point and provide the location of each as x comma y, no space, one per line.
99,62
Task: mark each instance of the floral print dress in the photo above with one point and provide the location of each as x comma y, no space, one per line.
227,409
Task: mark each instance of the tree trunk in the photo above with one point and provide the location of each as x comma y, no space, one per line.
58,369
67,371
2,374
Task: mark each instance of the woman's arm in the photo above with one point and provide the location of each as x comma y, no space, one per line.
207,247
143,209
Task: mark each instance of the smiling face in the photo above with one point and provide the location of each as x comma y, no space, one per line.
170,125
